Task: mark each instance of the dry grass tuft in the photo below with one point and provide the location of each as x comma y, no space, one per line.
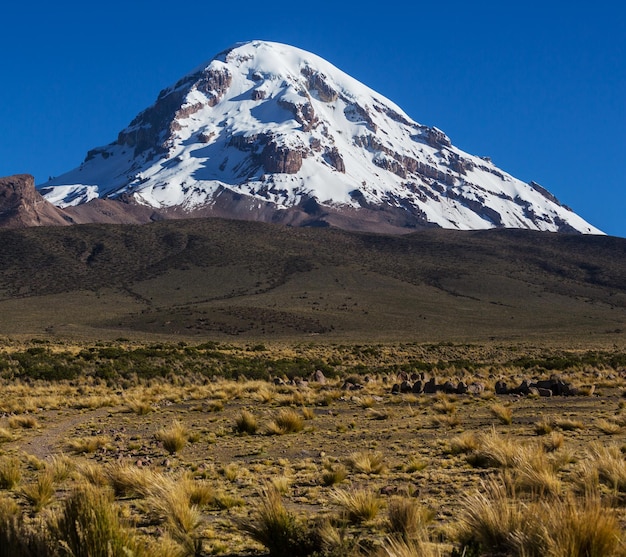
41,492
358,505
265,394
444,406
279,530
286,421
500,523
608,427
24,422
544,426
415,464
10,472
407,518
91,444
490,519
231,471
89,526
581,527
281,484
128,480
502,412
60,466
171,502
421,547
607,462
534,473
174,437
553,441
5,435
93,474
446,420
494,451
246,423
139,406
568,424
367,462
334,474
308,413
467,442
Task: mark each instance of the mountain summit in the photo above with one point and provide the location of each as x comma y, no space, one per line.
269,132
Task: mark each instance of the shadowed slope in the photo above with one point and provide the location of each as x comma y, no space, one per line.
222,278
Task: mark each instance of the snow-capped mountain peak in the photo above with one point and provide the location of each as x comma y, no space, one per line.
268,131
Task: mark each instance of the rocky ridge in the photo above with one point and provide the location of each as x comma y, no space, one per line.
21,206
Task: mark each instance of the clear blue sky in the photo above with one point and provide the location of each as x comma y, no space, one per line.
538,86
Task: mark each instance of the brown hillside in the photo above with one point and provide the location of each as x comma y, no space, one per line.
211,278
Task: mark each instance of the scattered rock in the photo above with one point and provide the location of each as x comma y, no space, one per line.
476,389
448,387
555,386
430,387
501,388
406,387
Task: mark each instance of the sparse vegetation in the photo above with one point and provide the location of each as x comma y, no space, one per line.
192,474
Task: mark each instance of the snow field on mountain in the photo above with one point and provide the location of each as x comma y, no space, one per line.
260,96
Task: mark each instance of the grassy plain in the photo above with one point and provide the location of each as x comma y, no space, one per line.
194,450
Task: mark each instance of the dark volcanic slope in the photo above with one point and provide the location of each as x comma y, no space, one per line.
214,278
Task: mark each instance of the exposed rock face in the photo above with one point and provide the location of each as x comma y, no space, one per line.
214,83
22,206
334,157
280,158
317,82
145,132
303,112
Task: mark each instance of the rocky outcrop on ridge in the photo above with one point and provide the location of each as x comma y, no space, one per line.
22,206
